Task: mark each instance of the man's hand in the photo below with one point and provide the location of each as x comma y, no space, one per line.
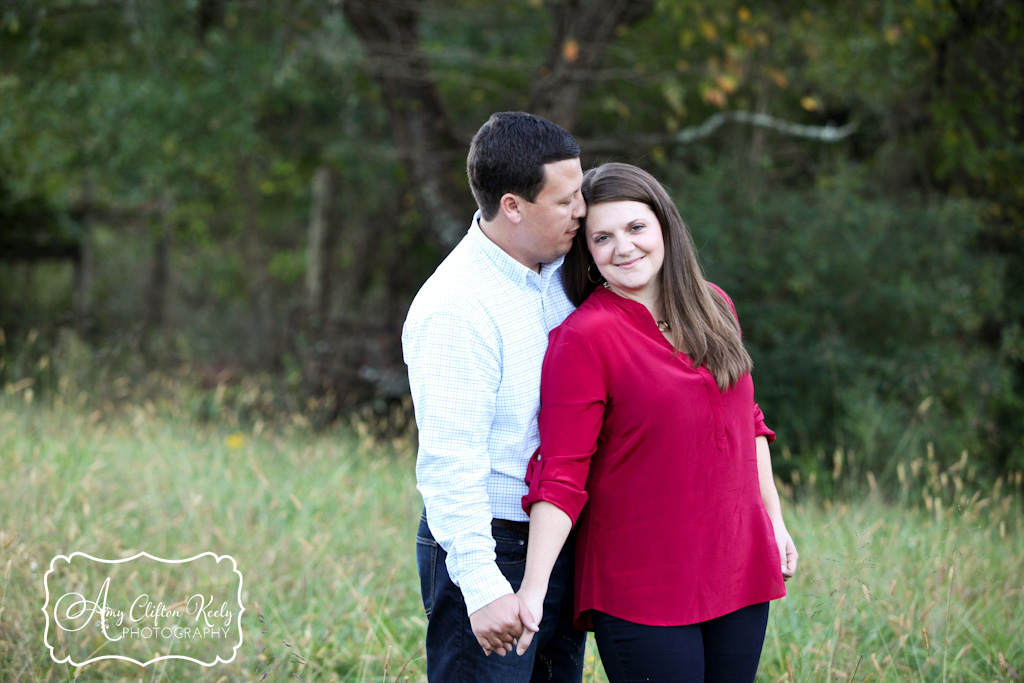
497,624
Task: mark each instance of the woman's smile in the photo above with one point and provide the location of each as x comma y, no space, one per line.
625,241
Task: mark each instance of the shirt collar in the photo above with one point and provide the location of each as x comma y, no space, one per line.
515,271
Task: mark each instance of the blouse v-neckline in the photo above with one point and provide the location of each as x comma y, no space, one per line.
641,315
645,323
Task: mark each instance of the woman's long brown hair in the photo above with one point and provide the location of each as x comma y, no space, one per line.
701,322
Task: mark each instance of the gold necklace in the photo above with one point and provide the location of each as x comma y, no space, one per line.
662,324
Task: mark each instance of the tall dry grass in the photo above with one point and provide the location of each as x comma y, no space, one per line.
922,582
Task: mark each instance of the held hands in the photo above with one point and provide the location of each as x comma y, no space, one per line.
787,550
499,623
533,603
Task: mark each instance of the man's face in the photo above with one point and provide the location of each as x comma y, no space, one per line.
549,224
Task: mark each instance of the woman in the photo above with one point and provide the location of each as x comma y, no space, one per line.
648,415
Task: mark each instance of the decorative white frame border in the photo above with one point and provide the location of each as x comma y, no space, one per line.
68,558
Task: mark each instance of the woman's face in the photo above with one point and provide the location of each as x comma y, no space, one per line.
625,241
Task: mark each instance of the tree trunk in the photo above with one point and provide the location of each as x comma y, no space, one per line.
159,273
581,33
323,231
209,15
419,123
266,342
427,146
84,263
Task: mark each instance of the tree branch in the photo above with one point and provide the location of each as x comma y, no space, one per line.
581,32
827,133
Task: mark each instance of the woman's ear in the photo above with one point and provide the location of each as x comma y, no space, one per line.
510,206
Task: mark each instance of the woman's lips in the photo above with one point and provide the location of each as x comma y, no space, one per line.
629,264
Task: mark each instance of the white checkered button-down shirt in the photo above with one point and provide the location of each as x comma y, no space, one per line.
474,341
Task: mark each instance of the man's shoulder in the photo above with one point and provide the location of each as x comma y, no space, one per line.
457,290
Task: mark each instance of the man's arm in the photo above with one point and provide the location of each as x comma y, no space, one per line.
454,375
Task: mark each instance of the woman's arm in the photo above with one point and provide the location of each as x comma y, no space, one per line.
770,496
573,396
549,527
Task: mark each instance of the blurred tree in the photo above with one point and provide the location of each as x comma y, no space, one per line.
170,109
322,236
425,136
277,183
978,110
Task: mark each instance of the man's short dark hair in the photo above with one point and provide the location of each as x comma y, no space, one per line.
508,154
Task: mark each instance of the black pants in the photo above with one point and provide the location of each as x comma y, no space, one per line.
722,650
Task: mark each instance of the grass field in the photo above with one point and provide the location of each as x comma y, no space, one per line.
929,588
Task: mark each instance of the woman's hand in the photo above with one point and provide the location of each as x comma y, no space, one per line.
770,497
533,602
787,550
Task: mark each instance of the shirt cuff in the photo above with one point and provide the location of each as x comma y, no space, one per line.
566,497
483,586
761,429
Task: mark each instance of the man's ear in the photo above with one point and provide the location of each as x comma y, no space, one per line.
510,205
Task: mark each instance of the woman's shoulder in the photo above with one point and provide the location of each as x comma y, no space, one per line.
721,293
582,336
592,316
716,288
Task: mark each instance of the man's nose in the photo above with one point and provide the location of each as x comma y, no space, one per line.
580,209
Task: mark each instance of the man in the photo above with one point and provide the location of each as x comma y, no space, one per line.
474,341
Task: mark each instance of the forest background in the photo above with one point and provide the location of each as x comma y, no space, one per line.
214,215
237,200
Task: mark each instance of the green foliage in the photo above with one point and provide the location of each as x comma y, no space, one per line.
862,315
878,278
288,267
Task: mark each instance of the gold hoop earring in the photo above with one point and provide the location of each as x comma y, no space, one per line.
590,277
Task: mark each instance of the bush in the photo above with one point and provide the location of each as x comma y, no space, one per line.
863,316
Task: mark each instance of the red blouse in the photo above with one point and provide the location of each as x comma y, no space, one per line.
675,531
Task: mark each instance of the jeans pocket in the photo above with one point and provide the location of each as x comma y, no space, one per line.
426,562
509,548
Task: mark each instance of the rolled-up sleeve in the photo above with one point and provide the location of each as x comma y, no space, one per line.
454,375
572,404
760,428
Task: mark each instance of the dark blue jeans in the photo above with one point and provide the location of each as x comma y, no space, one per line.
722,650
454,656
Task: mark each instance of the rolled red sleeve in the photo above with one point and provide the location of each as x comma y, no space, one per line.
566,495
572,402
760,428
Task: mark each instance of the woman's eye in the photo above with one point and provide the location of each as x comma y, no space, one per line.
638,226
